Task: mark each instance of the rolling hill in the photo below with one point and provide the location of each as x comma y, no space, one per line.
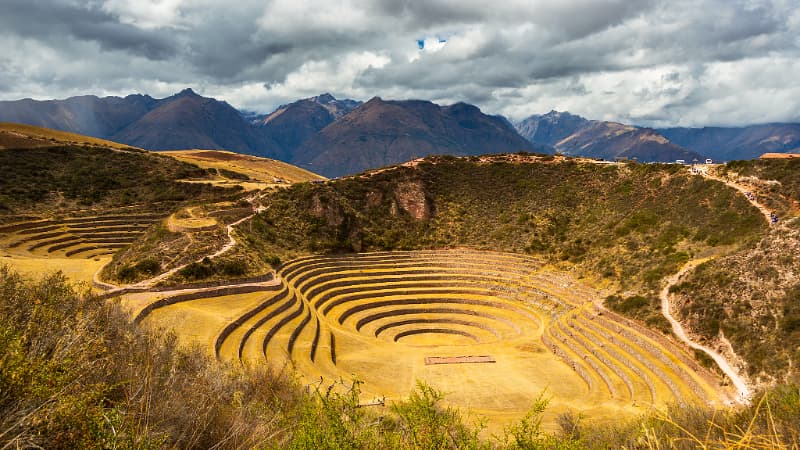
16,135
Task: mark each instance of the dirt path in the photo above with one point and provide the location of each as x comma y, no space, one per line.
231,239
150,282
744,190
739,382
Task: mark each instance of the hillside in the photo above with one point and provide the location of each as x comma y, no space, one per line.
69,177
726,144
751,297
616,222
576,136
16,135
263,170
380,133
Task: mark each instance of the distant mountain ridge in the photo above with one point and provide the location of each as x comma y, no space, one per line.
326,135
341,136
738,143
184,120
380,132
289,126
188,120
576,136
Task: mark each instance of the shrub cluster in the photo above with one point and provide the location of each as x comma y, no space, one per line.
207,268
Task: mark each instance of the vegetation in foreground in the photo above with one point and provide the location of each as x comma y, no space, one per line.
74,373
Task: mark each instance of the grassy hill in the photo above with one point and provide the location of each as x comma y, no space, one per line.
627,224
255,168
69,177
15,135
751,297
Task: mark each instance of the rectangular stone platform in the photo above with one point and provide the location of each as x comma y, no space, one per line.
431,360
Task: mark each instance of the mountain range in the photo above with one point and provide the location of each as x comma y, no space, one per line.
573,135
382,132
340,136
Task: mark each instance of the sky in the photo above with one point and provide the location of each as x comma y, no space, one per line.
645,62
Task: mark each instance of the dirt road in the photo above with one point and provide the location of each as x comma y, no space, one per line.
739,382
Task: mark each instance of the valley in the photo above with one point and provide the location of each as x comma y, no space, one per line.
495,279
372,314
374,225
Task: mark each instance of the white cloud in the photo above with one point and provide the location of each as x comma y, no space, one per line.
687,62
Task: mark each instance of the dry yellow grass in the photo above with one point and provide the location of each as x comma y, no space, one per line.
42,137
263,170
779,155
375,317
190,219
75,269
195,322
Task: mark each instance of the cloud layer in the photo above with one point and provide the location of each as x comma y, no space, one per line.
649,62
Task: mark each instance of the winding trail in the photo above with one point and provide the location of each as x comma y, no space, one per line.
150,282
739,382
231,240
764,210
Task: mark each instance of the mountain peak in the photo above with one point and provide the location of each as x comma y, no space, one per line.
324,98
188,92
554,115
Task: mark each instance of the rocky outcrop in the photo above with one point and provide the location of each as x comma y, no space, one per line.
411,198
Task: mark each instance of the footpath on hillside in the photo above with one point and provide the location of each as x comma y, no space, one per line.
144,285
740,382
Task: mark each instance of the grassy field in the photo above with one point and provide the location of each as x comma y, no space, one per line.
76,270
16,135
261,172
374,314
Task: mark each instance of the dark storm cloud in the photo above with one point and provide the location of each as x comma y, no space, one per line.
664,61
55,21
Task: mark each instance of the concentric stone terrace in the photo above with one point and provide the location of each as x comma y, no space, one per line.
378,316
75,237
